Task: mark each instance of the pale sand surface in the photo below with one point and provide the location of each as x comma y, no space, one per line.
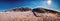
27,16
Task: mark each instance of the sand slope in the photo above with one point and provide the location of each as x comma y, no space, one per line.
27,16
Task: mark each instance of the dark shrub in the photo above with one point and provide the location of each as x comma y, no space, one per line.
38,10
25,9
22,9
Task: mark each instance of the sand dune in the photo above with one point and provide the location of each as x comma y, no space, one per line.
24,14
27,16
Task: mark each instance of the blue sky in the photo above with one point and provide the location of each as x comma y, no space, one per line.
8,4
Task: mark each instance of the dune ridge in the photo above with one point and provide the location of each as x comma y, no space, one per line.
46,15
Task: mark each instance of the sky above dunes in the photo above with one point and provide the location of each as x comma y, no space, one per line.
8,4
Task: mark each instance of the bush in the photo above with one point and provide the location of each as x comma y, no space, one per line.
39,10
25,9
22,9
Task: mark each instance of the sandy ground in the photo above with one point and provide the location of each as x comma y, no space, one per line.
27,16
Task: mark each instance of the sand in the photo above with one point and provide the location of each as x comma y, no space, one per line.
27,16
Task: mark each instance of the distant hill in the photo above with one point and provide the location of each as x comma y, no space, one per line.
45,10
37,10
20,9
